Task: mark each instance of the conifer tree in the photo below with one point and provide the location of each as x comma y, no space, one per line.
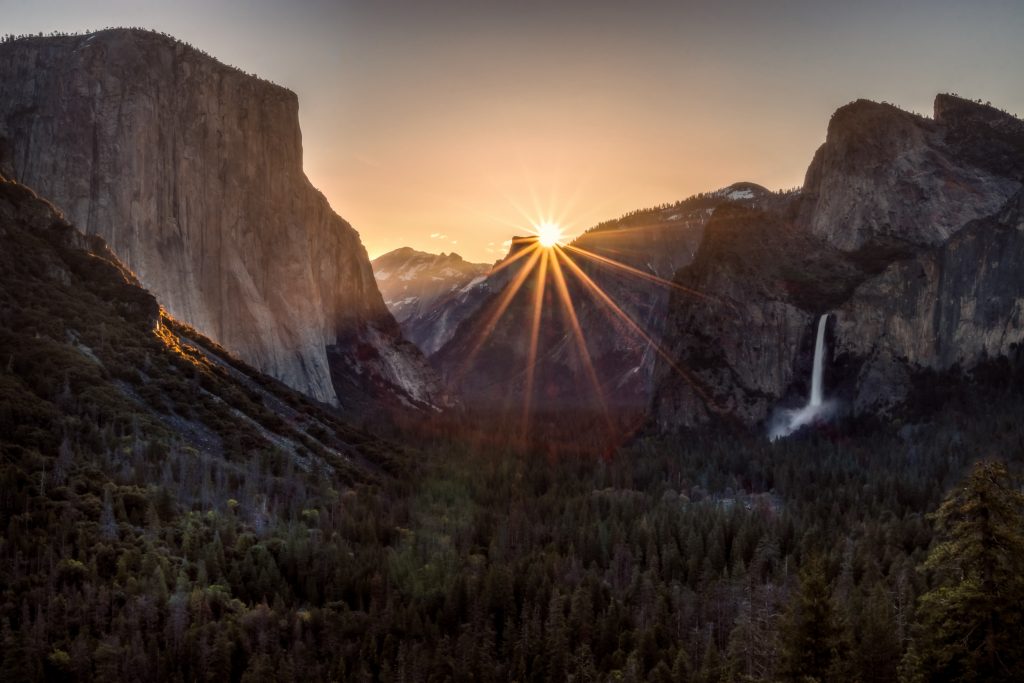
972,619
810,634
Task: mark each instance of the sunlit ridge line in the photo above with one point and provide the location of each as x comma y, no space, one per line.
639,273
531,361
629,321
595,233
581,342
610,250
503,305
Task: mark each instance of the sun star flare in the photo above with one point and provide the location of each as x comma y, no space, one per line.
549,234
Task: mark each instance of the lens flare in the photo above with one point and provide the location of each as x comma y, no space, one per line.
548,262
549,234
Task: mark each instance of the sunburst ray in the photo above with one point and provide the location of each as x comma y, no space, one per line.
618,312
533,246
581,343
538,310
611,263
503,303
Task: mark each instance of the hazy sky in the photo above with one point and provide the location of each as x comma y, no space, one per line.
449,125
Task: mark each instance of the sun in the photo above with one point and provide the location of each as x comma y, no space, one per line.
549,234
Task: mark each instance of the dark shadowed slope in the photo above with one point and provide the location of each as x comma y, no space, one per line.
96,377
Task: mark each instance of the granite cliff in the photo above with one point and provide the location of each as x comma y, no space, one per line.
89,355
908,231
192,172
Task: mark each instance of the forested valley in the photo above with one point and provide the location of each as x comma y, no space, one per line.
168,513
712,558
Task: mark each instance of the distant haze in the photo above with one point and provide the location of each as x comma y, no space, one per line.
446,125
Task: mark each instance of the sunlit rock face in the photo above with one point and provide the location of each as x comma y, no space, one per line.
192,172
907,229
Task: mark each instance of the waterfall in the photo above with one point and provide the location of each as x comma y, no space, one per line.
785,422
817,390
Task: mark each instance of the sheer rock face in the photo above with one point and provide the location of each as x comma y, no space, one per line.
951,305
908,232
192,172
884,174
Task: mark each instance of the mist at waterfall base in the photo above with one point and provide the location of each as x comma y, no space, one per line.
785,421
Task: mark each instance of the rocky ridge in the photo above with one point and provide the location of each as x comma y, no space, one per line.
85,345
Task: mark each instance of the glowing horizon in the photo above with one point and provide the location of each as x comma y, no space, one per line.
432,125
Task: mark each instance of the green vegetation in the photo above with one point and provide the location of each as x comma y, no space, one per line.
972,618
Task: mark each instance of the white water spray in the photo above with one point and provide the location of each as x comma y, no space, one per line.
786,422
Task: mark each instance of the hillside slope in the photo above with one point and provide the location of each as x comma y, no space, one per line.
144,470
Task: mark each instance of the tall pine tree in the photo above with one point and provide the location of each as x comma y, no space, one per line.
811,635
972,620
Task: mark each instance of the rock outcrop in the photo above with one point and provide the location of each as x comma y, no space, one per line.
86,349
886,175
192,172
908,230
949,306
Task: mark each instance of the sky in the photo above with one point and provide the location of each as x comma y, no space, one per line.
453,125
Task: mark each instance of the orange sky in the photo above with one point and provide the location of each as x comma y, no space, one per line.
448,125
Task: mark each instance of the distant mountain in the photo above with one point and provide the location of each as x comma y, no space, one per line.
417,286
908,232
192,172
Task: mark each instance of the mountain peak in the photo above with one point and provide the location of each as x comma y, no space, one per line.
142,44
742,191
859,192
871,118
950,108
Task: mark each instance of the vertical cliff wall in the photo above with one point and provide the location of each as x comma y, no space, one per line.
192,172
908,230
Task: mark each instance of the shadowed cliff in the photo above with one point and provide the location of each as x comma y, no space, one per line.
908,230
